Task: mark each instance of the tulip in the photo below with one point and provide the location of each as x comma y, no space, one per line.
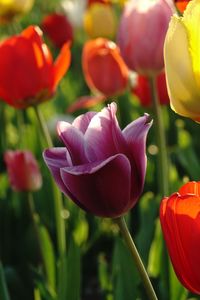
28,75
142,90
23,170
102,168
12,8
75,9
180,220
58,29
103,67
141,35
181,5
100,21
182,62
91,2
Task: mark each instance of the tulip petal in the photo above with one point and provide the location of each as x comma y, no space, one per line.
103,187
182,87
191,187
82,121
55,159
103,137
135,135
62,63
73,140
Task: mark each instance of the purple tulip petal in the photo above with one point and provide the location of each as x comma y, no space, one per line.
55,159
74,141
103,137
102,187
135,135
82,121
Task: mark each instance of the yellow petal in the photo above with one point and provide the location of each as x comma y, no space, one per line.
100,21
191,20
183,91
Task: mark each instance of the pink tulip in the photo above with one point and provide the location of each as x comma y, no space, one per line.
141,35
101,168
23,170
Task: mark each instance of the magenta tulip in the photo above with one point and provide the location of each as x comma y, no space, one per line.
23,170
141,35
101,168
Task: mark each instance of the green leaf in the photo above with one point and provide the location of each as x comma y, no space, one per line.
177,291
48,257
73,282
125,275
3,288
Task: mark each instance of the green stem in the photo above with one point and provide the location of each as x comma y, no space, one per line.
58,205
136,257
161,139
43,126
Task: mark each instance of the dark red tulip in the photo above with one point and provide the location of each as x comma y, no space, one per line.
28,74
180,220
142,90
23,170
58,29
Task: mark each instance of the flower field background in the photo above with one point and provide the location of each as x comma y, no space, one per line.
92,262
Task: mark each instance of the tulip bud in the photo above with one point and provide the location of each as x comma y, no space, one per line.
142,32
180,220
103,67
100,21
23,170
182,65
142,90
58,29
11,8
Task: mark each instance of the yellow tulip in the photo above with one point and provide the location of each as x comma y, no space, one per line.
182,62
11,8
100,21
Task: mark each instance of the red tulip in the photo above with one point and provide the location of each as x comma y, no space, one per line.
181,4
28,74
141,35
23,170
142,90
90,2
58,29
103,67
180,220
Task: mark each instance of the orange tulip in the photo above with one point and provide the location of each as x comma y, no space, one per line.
103,67
28,74
180,220
181,4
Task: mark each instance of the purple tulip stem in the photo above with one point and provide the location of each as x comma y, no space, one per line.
161,139
136,257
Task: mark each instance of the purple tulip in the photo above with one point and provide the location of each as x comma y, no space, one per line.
102,168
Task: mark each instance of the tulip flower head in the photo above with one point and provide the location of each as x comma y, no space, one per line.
23,170
180,220
141,35
181,5
142,90
74,10
101,168
100,21
90,2
12,8
182,52
103,67
58,29
28,74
